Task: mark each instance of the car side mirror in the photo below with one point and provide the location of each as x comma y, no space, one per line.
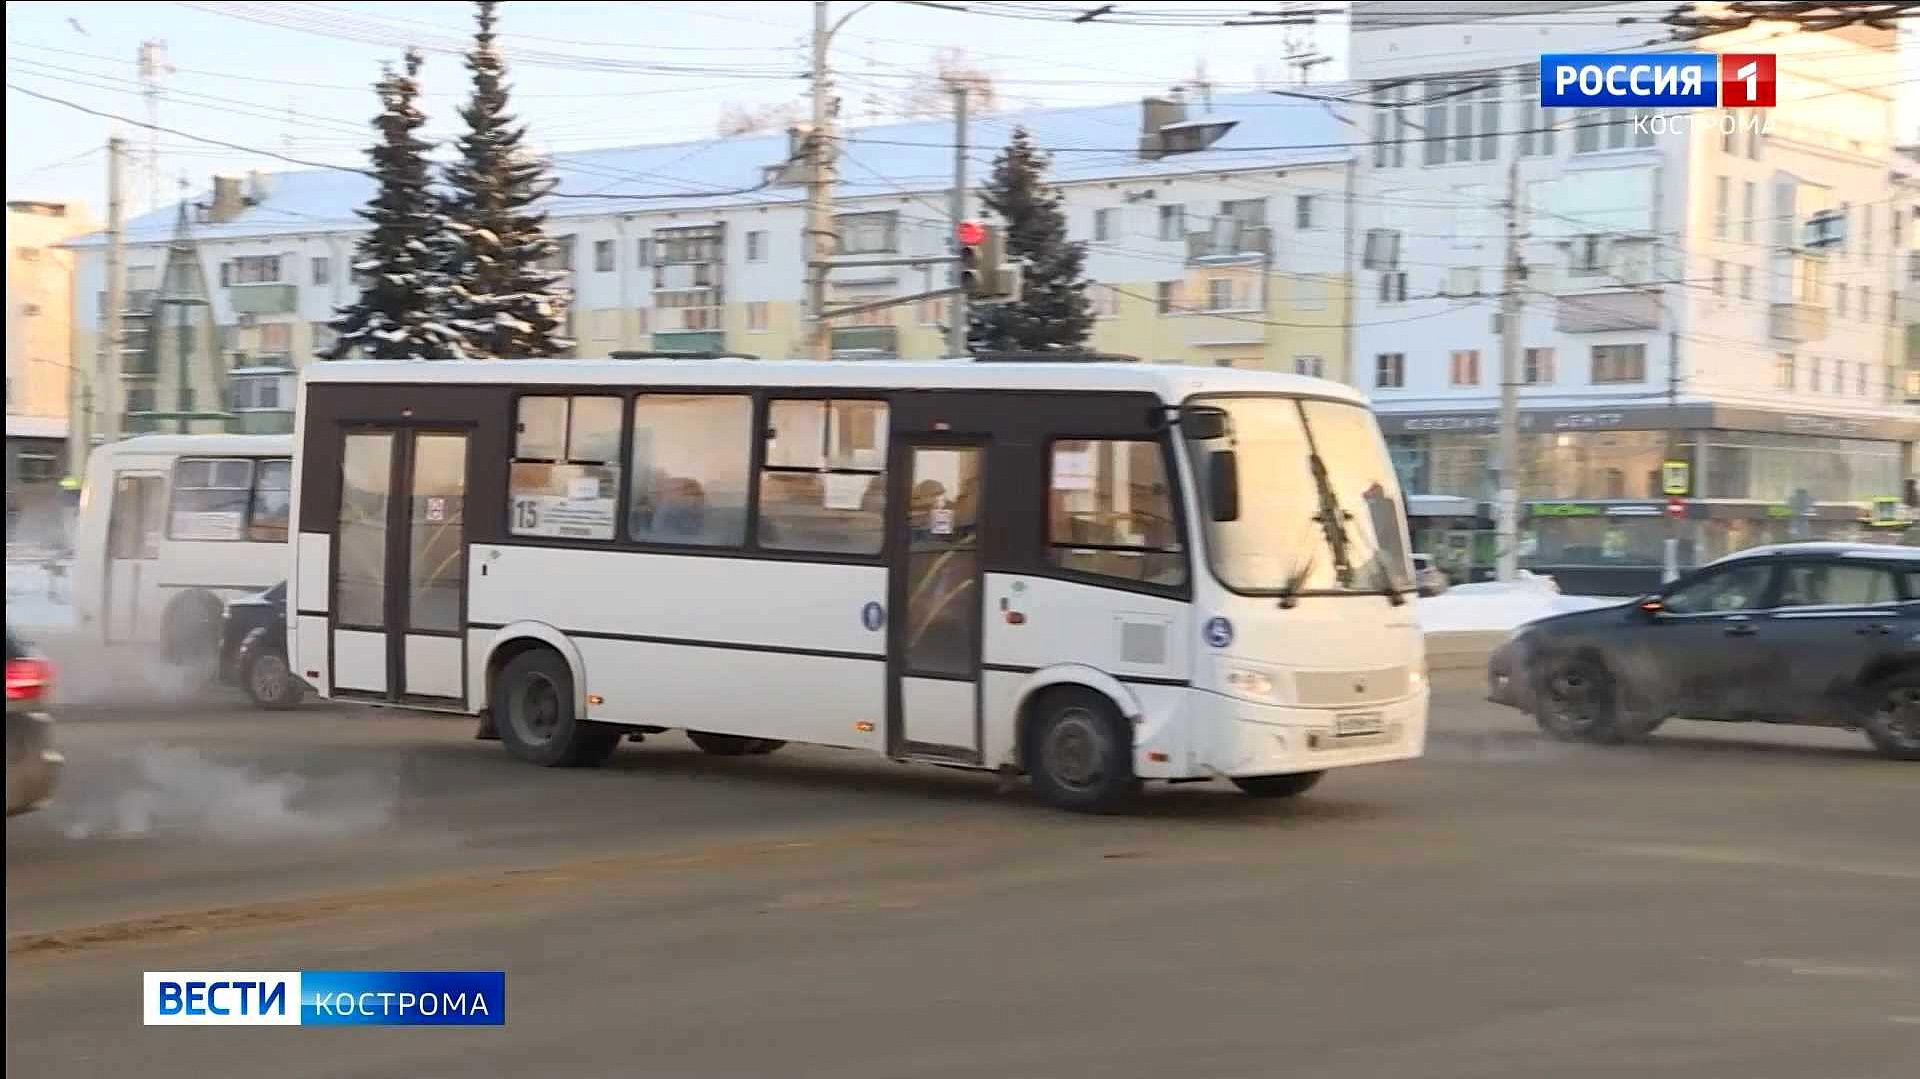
1223,485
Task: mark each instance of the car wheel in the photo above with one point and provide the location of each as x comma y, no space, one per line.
1578,701
1080,753
732,745
269,682
535,716
1278,786
1892,721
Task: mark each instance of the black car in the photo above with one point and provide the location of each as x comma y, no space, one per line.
1823,634
253,649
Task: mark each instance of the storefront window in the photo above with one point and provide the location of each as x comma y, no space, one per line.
1770,467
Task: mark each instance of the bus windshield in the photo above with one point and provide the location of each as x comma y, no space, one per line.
1320,508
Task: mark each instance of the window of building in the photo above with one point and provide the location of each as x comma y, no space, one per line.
1110,512
690,468
1720,208
27,254
643,252
1393,287
565,474
824,485
874,233
1464,367
1817,375
1840,298
276,338
1866,229
1619,363
1390,370
1749,194
1729,132
250,270
1719,277
1536,123
1312,366
1166,297
139,400
1746,282
1173,222
272,502
603,256
1537,366
1103,224
560,258
935,312
30,310
1783,373
1391,126
322,270
1105,300
1438,109
258,393
37,467
1753,142
1220,295
1303,211
757,316
1866,303
757,246
210,498
1860,380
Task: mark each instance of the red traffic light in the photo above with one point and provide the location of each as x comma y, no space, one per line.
970,233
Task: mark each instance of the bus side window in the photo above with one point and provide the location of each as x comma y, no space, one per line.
564,480
690,464
823,487
1110,512
210,497
272,501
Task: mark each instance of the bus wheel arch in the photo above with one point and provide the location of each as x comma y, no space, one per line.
1067,677
511,641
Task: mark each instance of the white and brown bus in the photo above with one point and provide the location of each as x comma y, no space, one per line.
1095,573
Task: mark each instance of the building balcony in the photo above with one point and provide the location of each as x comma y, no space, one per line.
266,298
689,319
1797,321
138,303
1606,310
1230,241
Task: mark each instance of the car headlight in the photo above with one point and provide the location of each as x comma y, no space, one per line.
1249,683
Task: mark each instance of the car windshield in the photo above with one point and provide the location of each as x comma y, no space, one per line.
1320,507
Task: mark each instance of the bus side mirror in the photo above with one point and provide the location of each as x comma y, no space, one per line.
1204,424
1223,485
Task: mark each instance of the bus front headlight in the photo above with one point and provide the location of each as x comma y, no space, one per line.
1254,685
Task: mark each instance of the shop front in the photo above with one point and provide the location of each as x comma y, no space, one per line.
1599,500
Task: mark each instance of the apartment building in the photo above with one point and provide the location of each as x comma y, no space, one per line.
1673,309
1210,243
39,339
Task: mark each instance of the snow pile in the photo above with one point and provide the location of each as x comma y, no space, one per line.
1500,605
39,593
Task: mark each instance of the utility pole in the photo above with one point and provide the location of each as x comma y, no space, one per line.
1670,556
113,335
957,312
1508,511
820,150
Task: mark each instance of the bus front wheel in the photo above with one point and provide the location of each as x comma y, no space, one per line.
535,716
1079,752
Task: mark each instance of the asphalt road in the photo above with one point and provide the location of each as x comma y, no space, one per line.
1721,901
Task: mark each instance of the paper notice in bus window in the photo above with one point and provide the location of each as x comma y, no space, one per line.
1073,470
845,490
561,517
213,525
583,488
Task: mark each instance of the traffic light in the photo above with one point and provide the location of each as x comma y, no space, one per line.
976,269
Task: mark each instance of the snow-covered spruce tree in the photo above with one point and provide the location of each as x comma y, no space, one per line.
1052,312
504,303
399,313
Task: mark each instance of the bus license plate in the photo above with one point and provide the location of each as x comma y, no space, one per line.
1358,723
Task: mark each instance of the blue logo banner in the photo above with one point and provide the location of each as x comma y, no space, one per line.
406,998
1613,80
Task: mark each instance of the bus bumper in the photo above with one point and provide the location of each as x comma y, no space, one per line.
1226,736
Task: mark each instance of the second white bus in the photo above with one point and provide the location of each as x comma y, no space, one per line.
1097,574
170,528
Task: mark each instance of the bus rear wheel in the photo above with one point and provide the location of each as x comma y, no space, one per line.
534,715
1079,751
732,745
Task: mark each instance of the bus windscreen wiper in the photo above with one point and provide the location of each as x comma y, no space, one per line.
1290,592
1332,518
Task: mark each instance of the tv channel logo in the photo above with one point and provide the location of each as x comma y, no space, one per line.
1680,80
405,998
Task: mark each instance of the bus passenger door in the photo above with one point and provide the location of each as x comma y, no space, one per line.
934,640
400,571
130,603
